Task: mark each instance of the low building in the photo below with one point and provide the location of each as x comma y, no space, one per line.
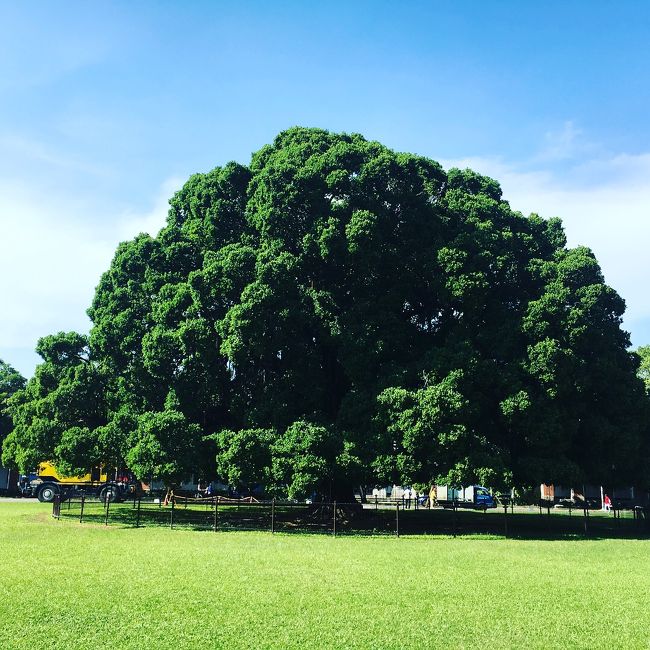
593,494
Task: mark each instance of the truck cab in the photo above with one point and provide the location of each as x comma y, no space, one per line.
483,498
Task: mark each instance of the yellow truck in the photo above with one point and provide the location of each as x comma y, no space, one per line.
48,482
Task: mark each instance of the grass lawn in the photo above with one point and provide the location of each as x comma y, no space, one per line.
66,585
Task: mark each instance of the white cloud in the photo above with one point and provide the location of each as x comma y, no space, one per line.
21,151
47,265
562,144
51,258
131,223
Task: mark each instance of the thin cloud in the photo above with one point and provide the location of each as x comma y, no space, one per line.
52,259
151,221
19,150
563,144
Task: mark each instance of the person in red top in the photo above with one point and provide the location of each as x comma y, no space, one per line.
607,503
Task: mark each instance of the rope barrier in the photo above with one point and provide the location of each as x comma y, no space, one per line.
209,500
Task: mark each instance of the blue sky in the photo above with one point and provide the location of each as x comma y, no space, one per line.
106,108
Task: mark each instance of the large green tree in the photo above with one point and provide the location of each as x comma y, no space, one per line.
337,313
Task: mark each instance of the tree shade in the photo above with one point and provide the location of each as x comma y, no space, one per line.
336,314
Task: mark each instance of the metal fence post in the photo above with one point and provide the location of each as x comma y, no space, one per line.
586,515
273,516
137,515
335,519
454,505
214,523
397,518
505,519
171,515
81,514
108,505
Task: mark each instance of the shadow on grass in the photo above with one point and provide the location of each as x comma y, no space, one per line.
522,525
349,519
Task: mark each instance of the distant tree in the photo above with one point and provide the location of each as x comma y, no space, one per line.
56,412
643,372
11,381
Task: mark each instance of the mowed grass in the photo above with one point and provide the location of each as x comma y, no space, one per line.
66,585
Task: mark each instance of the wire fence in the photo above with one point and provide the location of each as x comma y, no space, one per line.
336,518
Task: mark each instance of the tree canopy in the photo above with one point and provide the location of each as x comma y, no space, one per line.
643,372
337,313
11,381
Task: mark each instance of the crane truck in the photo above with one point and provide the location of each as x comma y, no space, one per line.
47,482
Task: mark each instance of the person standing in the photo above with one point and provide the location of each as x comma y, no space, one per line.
432,496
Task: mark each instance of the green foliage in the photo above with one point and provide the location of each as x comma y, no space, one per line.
338,313
11,381
58,408
163,446
244,456
643,372
304,460
433,438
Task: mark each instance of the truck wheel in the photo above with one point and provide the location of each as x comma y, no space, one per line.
109,493
47,493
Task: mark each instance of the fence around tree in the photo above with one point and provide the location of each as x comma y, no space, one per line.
374,518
